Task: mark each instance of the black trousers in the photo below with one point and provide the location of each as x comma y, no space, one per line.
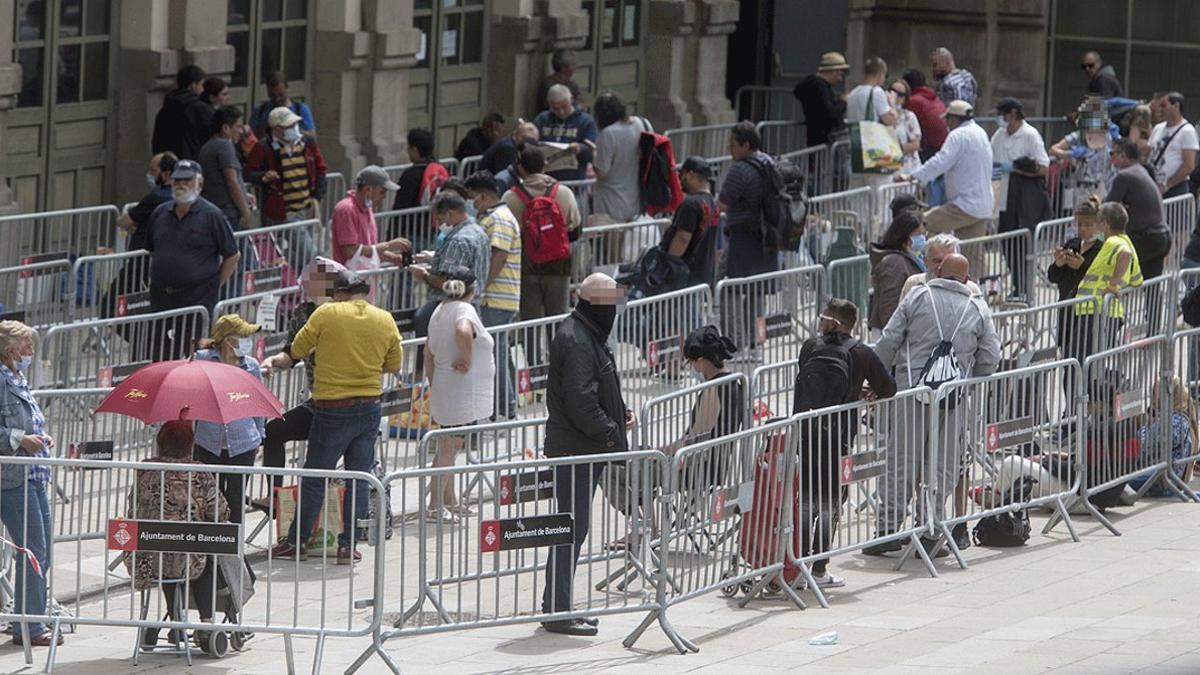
175,338
574,489
202,592
233,486
292,427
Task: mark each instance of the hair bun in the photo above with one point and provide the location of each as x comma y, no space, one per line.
454,288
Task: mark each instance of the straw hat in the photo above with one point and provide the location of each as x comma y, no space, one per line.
833,61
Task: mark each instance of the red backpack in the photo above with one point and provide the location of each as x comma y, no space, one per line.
543,227
658,182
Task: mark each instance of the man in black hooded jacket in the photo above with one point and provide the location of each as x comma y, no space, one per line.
586,416
185,121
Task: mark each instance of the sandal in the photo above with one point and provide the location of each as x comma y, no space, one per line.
439,516
461,510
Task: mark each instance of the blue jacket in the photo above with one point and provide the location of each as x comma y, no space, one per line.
577,128
240,436
16,420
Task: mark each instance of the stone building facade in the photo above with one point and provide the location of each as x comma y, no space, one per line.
81,80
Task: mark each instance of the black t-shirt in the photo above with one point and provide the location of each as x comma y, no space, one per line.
409,194
698,215
500,156
187,252
140,214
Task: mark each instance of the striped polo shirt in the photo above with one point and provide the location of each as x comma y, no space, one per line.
293,177
504,234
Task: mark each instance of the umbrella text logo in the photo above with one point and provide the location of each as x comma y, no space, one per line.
235,396
136,394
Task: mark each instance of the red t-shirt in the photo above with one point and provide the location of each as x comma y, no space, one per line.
352,224
929,109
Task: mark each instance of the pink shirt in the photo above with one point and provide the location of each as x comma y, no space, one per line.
353,224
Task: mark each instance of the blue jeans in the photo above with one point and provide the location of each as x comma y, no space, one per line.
26,515
337,433
505,394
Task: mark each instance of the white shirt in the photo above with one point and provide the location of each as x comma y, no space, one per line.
460,398
856,103
1167,159
1027,142
966,161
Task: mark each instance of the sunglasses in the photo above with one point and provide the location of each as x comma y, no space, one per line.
901,94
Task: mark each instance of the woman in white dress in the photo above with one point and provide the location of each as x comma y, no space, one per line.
907,128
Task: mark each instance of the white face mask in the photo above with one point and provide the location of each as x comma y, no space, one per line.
472,210
370,204
185,196
244,346
151,181
292,134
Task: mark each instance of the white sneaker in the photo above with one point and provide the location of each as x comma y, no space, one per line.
829,580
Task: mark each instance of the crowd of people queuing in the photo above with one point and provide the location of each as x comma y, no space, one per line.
499,249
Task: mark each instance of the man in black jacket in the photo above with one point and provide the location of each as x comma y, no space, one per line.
824,111
586,416
185,121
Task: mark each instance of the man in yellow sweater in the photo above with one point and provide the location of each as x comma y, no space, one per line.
355,344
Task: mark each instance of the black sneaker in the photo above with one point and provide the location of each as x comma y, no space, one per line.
962,536
886,547
928,544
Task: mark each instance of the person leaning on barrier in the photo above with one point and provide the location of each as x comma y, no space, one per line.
236,443
1114,269
586,415
355,343
894,258
941,311
24,506
937,248
352,226
822,360
461,367
189,496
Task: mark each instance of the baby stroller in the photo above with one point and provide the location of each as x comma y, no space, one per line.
235,586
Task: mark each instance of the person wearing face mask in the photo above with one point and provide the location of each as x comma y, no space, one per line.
24,505
291,170
192,253
718,412
134,275
355,233
896,256
236,443
586,415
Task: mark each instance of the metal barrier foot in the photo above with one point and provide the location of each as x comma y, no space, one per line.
812,585
915,546
320,652
791,593
948,539
426,594
54,633
1180,488
375,648
28,648
287,652
1061,512
1108,525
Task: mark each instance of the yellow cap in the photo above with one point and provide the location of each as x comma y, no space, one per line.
232,324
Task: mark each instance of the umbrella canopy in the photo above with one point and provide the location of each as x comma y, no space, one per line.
191,390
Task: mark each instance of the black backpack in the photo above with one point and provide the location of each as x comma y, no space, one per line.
942,366
784,204
1010,528
825,379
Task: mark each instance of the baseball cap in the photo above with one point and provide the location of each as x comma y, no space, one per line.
184,169
905,201
282,117
697,165
373,175
347,281
1009,103
959,108
232,324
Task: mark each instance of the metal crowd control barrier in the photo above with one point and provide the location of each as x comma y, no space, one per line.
485,566
469,165
103,352
604,248
814,164
1005,443
523,349
394,170
272,257
110,285
711,409
727,518
1183,451
1126,387
38,294
1047,238
415,225
396,290
648,341
781,136
720,167
860,482
839,162
772,388
759,102
884,194
710,140
768,315
1180,214
272,310
582,189
1043,334
91,578
1138,312
827,212
850,279
1002,265
51,235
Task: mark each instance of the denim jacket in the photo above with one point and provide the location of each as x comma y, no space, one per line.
240,436
16,420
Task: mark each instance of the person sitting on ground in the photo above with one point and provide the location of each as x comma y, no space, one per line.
188,496
1183,435
461,368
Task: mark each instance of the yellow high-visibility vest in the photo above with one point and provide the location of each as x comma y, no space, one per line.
1103,267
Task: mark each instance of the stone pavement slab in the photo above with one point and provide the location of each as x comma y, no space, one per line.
1054,606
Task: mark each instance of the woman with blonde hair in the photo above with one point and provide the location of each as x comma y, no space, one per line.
1183,438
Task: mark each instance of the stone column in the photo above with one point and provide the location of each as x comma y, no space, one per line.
360,80
523,34
157,38
10,86
715,20
670,27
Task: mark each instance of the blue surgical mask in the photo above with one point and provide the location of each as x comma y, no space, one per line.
471,210
24,362
918,243
370,205
244,346
1099,236
151,182
1000,123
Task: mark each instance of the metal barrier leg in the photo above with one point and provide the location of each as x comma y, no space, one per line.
1180,488
1108,525
915,546
376,647
289,654
1062,513
320,652
948,539
682,645
27,647
812,585
55,629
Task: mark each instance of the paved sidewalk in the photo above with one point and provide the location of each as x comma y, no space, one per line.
1106,605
